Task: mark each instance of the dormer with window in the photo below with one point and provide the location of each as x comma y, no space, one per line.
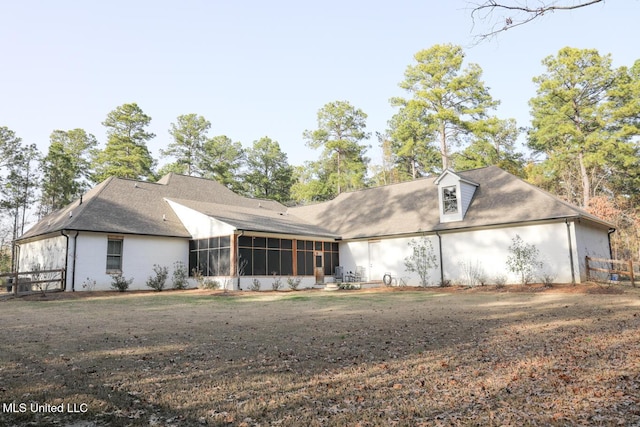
454,195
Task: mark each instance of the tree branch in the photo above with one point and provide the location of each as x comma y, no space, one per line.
516,14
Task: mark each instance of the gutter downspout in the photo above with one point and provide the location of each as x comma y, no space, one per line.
573,272
441,260
15,267
66,260
16,261
73,263
609,233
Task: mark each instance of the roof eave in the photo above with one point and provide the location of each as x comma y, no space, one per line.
39,236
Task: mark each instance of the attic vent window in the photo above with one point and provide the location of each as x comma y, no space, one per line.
449,200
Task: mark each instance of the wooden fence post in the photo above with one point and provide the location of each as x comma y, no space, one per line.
586,263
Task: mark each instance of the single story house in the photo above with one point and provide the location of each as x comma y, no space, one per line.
470,218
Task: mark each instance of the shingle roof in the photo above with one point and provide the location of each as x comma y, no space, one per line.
134,207
257,218
500,198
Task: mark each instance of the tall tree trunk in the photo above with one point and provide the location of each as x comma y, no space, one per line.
14,248
586,185
444,152
339,177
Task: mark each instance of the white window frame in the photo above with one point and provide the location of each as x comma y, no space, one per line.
115,255
450,200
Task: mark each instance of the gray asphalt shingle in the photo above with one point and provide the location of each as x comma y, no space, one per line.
408,207
134,207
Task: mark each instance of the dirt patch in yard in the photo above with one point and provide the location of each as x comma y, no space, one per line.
584,288
440,356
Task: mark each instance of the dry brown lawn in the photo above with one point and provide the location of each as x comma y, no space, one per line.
483,357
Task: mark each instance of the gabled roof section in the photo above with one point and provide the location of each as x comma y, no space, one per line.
409,207
135,207
257,218
460,178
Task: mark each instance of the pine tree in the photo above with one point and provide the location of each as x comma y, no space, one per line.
19,181
126,154
341,129
222,160
269,175
583,122
65,168
446,101
189,135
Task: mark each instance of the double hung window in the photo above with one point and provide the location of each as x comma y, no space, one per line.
114,254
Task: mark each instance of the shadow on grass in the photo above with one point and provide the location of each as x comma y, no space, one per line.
378,359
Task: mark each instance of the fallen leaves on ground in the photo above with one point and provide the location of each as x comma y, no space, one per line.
463,357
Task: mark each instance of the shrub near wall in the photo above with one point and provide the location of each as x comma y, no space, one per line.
157,281
120,283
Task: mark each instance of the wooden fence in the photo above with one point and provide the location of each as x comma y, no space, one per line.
610,270
25,282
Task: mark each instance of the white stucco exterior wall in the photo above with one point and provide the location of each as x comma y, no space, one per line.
139,254
591,241
382,256
558,244
489,249
200,225
48,254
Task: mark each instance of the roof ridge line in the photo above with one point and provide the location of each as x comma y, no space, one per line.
360,190
103,185
90,201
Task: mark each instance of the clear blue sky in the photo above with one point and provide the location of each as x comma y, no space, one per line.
257,68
